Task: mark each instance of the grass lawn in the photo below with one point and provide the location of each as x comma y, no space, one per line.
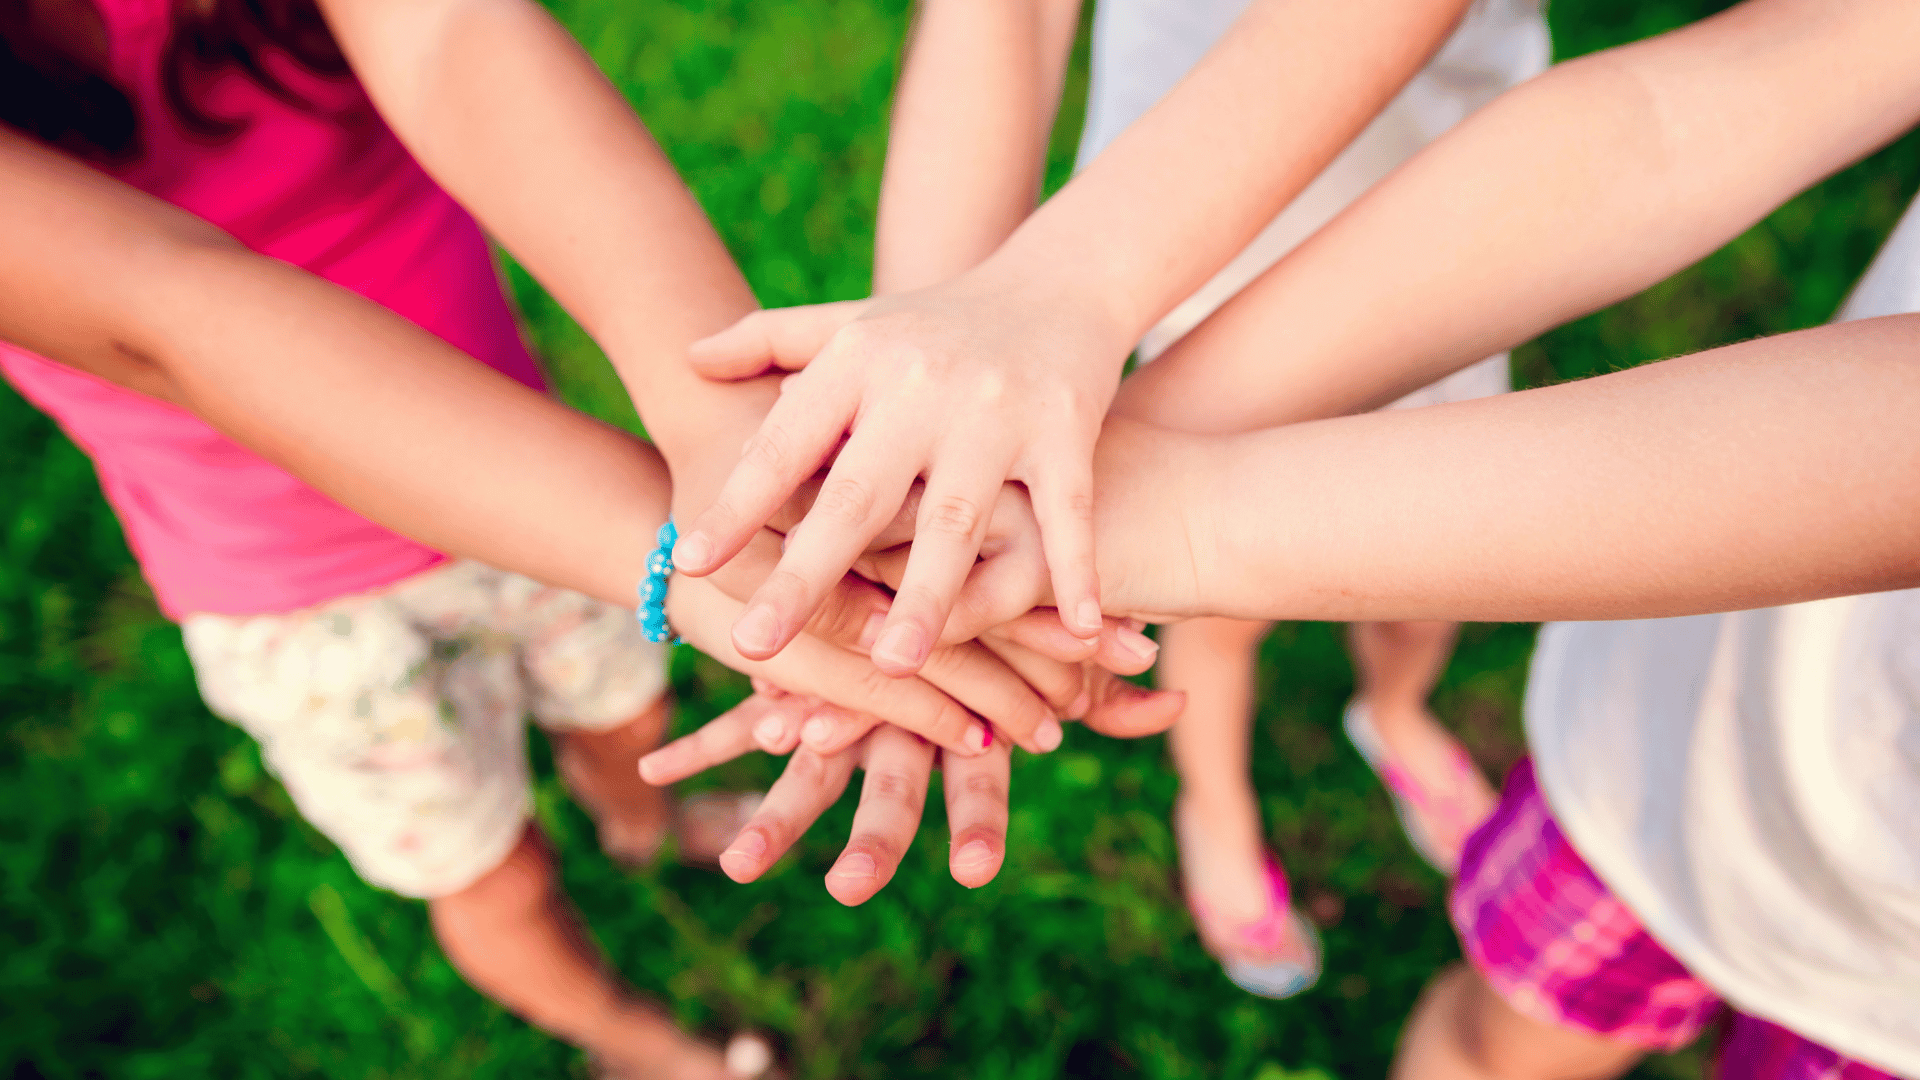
164,913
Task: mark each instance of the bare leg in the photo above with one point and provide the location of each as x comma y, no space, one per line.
1217,821
516,938
602,770
1462,1030
1397,664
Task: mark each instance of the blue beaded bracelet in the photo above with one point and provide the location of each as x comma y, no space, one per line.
653,591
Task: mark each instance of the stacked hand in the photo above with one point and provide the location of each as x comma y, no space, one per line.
981,656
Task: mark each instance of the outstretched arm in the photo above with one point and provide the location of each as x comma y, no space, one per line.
967,148
503,108
1568,193
1769,472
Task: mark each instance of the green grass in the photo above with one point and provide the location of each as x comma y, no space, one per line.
163,911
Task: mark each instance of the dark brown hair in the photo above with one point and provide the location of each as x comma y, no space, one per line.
49,92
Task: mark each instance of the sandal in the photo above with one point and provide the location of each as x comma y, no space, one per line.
1276,978
1436,822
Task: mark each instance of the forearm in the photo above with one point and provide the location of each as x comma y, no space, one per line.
1184,189
499,103
1773,471
350,397
967,148
1571,192
403,428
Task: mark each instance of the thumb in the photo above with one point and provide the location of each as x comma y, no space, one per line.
783,338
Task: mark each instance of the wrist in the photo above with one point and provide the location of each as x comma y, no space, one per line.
1153,490
1065,282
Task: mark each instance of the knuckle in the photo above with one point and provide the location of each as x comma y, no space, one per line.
951,515
845,500
770,449
984,786
1077,505
807,769
894,785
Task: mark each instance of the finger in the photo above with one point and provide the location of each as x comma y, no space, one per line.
798,433
1124,711
978,679
778,732
1062,685
718,741
1063,502
786,338
1119,648
866,483
946,542
976,790
829,730
816,668
1003,588
892,797
851,682
807,786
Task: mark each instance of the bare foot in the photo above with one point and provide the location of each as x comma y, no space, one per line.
1442,795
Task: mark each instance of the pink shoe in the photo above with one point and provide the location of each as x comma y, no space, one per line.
1436,822
1276,978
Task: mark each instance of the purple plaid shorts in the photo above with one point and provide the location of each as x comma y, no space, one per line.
1552,940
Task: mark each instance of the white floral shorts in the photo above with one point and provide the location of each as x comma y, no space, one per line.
396,718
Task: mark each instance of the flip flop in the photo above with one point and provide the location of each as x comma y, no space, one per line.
1269,978
1414,802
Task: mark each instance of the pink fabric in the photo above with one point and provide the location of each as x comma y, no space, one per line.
1554,942
216,528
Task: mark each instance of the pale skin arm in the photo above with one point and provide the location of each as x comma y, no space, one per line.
972,113
1769,472
498,102
1005,372
1572,191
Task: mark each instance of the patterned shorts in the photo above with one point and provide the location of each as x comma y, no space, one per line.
396,718
1555,943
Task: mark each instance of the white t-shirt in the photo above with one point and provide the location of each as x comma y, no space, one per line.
1143,48
1749,784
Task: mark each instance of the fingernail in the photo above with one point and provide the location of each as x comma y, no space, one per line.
974,854
748,845
757,631
1088,616
977,738
693,552
870,633
1048,735
901,646
858,864
770,731
1137,645
817,733
1081,704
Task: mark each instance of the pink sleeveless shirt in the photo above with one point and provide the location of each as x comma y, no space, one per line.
215,527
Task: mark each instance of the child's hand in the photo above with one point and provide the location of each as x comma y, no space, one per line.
970,383
1157,492
898,765
1014,685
